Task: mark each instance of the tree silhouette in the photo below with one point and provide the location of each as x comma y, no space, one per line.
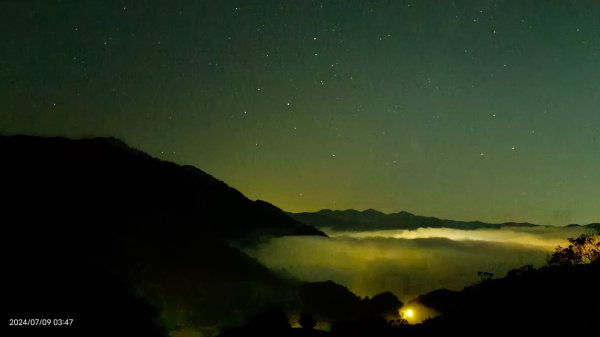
485,276
584,249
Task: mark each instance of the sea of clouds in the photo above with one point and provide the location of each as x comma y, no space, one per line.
411,262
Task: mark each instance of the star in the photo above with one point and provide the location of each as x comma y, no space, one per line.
436,97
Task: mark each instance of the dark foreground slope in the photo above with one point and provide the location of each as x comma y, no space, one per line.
353,220
89,224
552,301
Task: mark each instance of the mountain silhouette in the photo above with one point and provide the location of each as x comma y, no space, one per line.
99,179
553,301
163,231
371,219
550,301
323,301
594,225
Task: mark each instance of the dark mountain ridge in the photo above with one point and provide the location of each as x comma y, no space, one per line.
550,301
555,301
594,225
371,219
74,209
66,178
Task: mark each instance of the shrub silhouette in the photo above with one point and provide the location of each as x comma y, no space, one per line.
584,249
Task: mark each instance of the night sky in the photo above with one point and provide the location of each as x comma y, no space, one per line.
465,110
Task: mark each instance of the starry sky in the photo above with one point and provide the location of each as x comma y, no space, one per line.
465,110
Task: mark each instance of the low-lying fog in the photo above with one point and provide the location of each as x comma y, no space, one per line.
411,262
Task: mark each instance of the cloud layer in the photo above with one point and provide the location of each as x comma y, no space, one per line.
410,262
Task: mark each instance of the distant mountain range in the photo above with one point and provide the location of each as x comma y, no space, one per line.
595,225
370,219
